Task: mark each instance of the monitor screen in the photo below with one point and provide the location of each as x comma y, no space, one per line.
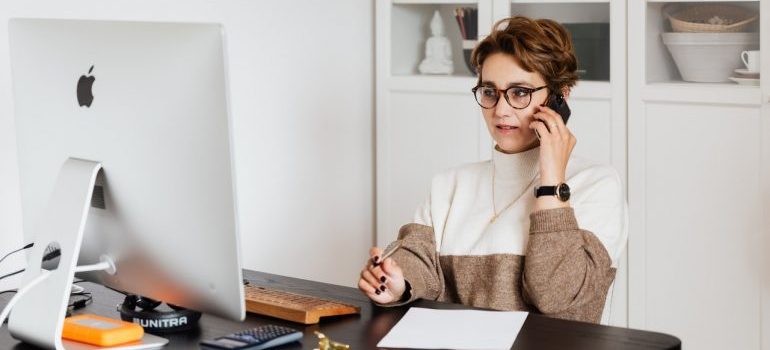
149,102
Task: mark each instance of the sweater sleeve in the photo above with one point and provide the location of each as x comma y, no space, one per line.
418,259
567,270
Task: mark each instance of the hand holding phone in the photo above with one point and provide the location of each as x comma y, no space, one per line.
559,105
555,147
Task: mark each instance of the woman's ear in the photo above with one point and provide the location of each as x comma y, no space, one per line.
565,92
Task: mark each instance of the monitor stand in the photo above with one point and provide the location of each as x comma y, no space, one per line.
38,315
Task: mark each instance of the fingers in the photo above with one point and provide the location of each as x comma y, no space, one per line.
389,266
373,280
373,273
552,116
374,294
555,125
373,283
375,254
365,287
552,120
540,129
383,282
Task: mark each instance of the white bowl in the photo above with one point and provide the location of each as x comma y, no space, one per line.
708,57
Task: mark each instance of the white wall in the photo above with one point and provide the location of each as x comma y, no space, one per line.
301,80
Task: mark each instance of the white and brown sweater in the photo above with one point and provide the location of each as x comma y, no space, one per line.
558,262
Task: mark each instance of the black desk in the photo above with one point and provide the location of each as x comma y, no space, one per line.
364,331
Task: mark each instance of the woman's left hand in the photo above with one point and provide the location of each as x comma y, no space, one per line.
556,145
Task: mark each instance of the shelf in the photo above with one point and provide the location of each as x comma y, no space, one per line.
562,11
558,1
707,1
702,93
432,2
659,62
409,36
433,84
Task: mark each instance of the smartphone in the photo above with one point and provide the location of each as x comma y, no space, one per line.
558,104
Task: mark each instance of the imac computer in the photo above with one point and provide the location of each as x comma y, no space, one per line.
125,164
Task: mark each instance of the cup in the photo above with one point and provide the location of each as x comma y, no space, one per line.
751,60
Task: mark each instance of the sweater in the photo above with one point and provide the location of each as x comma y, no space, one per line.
558,262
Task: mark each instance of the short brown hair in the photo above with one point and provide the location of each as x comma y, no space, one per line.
541,45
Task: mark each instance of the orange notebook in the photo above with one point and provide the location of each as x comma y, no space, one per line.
100,331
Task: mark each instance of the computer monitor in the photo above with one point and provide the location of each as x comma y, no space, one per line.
146,103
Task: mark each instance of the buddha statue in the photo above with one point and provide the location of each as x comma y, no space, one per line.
438,50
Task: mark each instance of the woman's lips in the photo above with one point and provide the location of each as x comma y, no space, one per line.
506,129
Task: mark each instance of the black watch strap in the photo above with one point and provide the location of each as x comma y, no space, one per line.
545,191
561,191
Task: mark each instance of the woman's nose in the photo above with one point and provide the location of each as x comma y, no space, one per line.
502,109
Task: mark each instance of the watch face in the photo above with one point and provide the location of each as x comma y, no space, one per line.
563,192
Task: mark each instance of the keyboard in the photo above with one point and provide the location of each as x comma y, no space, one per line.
293,307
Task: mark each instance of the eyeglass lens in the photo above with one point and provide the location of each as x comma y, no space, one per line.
517,97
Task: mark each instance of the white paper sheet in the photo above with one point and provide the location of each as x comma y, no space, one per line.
422,328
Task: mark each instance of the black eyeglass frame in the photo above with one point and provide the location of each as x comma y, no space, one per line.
529,91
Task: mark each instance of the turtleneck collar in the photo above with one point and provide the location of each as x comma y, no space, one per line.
521,166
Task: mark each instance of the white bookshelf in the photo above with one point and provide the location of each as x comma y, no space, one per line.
698,1
691,146
431,2
702,93
564,2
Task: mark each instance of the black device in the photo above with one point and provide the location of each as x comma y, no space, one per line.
143,311
262,337
558,104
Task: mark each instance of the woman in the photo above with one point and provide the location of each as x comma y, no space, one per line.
510,234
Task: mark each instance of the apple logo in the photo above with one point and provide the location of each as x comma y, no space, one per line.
85,83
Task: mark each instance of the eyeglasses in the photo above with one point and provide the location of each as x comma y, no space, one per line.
517,97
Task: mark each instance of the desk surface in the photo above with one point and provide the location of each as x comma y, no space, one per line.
364,331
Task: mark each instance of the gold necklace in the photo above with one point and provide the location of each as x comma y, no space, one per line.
495,213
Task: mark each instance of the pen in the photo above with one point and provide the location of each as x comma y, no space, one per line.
388,252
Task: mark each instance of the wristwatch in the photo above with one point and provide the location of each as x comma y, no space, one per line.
560,191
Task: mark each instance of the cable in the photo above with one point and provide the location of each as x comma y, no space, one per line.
51,253
11,274
79,304
75,305
23,290
17,250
